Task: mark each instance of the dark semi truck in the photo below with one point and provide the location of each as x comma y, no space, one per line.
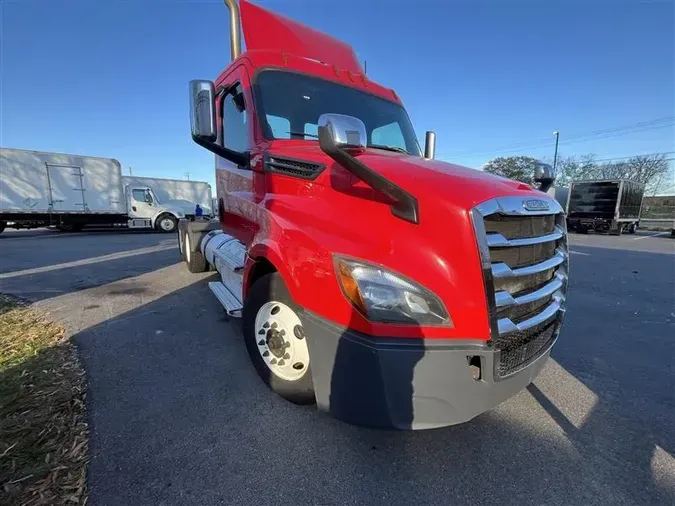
611,206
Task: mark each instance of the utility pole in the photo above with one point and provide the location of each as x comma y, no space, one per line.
130,171
555,154
365,67
187,176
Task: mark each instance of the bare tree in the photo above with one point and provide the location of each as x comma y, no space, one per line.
652,170
574,168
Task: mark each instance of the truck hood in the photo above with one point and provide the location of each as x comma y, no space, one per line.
424,179
427,179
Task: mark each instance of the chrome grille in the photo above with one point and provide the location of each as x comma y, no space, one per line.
525,262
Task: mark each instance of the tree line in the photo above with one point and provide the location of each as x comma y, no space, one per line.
652,170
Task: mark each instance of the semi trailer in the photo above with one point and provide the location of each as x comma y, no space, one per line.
69,192
390,289
608,205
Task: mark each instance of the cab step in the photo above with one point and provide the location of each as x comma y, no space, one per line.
229,301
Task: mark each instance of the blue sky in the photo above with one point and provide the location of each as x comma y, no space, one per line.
109,78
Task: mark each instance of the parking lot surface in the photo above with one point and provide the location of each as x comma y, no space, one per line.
179,416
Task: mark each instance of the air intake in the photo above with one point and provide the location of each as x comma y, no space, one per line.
293,167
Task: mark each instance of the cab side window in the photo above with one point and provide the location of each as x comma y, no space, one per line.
235,128
139,195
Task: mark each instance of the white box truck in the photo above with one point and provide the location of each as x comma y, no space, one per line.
69,192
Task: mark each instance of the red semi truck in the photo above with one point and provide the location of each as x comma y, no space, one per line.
391,289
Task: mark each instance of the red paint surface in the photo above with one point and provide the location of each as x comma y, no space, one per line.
269,31
299,225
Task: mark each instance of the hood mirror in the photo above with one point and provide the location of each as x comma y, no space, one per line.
347,132
543,174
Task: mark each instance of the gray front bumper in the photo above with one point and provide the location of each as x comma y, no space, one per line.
404,383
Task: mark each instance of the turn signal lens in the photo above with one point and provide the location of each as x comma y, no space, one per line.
350,287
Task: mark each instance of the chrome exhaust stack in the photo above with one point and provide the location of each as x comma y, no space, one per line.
430,145
235,31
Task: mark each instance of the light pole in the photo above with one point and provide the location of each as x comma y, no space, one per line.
555,154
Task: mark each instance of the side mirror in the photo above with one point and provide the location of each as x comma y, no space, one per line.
543,174
203,111
430,145
203,124
347,132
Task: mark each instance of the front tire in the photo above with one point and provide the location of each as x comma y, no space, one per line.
275,340
166,223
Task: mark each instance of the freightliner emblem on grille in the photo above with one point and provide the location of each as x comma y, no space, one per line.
535,205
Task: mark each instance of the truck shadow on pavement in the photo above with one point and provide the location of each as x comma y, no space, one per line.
39,286
22,252
178,414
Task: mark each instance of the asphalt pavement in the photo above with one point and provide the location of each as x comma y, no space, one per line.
178,415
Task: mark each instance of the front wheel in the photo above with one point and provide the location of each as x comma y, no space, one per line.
275,340
166,223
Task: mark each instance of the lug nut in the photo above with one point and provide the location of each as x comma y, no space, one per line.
261,342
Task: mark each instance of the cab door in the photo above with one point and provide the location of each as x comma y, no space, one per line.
234,184
141,204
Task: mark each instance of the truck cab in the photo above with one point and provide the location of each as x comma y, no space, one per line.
391,289
146,211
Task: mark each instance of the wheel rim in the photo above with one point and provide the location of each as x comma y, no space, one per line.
166,224
280,339
188,249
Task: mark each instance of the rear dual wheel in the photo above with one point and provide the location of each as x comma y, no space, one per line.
194,259
275,340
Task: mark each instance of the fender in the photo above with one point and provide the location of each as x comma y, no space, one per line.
160,212
270,251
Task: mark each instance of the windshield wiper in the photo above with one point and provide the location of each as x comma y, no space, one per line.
388,148
303,134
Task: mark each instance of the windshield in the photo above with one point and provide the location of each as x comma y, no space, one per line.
289,106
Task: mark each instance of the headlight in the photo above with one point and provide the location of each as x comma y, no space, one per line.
385,297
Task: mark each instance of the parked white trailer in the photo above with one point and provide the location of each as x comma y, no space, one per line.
176,192
69,192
